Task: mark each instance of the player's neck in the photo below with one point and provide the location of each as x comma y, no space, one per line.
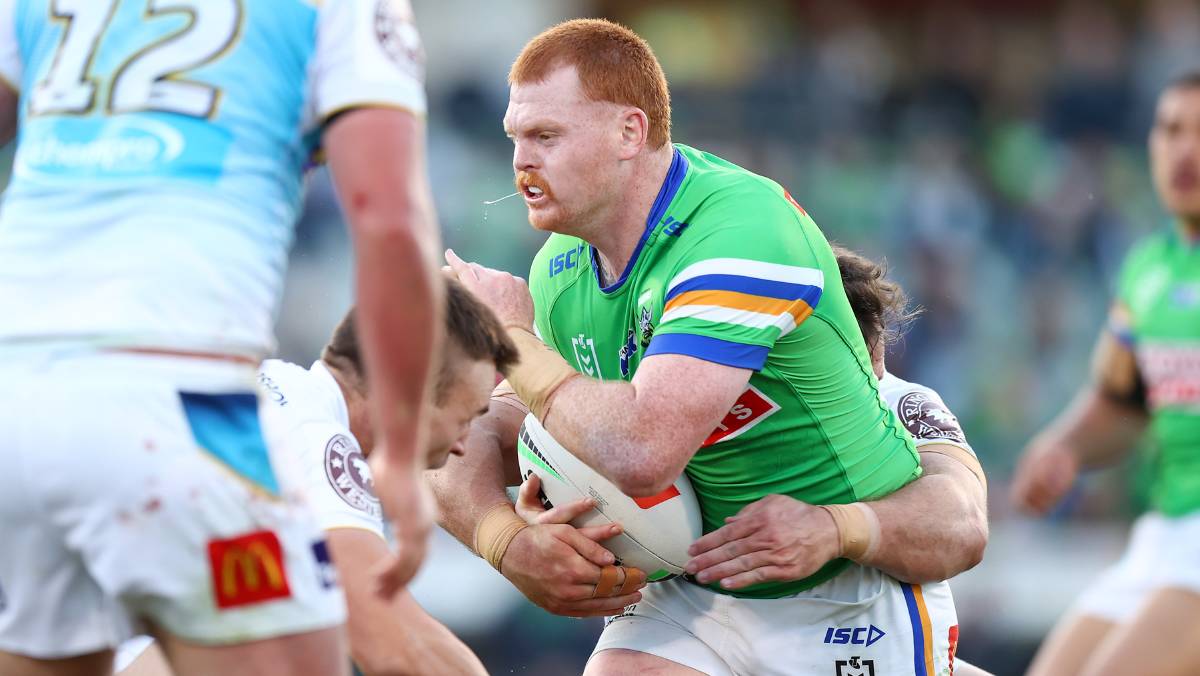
1189,227
357,410
616,236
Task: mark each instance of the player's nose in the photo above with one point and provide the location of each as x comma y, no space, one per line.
524,158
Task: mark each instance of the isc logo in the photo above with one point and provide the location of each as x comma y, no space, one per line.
672,227
853,636
565,260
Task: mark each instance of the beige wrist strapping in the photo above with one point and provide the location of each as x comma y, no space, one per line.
960,454
858,529
495,532
539,371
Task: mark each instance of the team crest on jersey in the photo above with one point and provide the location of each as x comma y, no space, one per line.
927,418
396,33
645,326
585,355
350,475
855,666
627,351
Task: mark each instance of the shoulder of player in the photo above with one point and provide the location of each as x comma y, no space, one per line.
921,410
560,259
298,396
280,382
1149,247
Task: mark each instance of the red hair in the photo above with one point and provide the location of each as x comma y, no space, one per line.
614,65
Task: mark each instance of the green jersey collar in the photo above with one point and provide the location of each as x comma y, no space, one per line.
666,193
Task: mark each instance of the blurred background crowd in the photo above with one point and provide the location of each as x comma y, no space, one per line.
993,152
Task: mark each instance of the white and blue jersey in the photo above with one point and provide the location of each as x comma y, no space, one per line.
160,157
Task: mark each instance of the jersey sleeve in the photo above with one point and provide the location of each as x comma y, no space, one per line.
335,478
929,420
735,291
1121,314
368,54
10,53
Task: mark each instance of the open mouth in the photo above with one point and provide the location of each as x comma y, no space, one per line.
1185,179
533,193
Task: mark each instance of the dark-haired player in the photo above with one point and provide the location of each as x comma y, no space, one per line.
1141,617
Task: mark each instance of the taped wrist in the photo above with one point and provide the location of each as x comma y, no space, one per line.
495,532
539,371
858,529
960,454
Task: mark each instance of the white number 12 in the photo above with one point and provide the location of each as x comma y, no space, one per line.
151,78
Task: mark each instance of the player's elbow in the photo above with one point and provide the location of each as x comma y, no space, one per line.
644,479
976,539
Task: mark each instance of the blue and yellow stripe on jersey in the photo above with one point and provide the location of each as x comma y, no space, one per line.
918,615
760,301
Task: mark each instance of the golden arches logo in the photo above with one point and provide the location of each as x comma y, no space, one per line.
250,560
248,569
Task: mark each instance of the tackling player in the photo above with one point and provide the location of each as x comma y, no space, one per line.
931,529
143,236
707,309
318,424
1138,616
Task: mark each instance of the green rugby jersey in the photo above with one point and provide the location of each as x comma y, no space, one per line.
1158,317
731,270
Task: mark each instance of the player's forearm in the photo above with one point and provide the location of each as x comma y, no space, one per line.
410,642
935,527
467,487
608,427
1098,429
378,164
390,636
8,114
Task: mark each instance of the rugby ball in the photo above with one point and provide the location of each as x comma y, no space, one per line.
657,530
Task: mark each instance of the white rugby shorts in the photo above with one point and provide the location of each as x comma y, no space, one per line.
1162,552
138,489
861,623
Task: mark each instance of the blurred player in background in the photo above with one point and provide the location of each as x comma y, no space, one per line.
318,425
704,288
1143,615
143,237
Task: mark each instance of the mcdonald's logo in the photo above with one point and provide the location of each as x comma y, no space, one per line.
248,569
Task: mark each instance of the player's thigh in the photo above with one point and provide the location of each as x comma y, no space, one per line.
1073,640
962,668
314,653
1162,639
674,629
620,662
162,485
92,664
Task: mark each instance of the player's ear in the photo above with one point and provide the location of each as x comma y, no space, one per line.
635,130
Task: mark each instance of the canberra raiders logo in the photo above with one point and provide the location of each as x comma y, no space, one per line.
350,475
645,326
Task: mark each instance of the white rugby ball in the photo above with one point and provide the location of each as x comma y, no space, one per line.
656,531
